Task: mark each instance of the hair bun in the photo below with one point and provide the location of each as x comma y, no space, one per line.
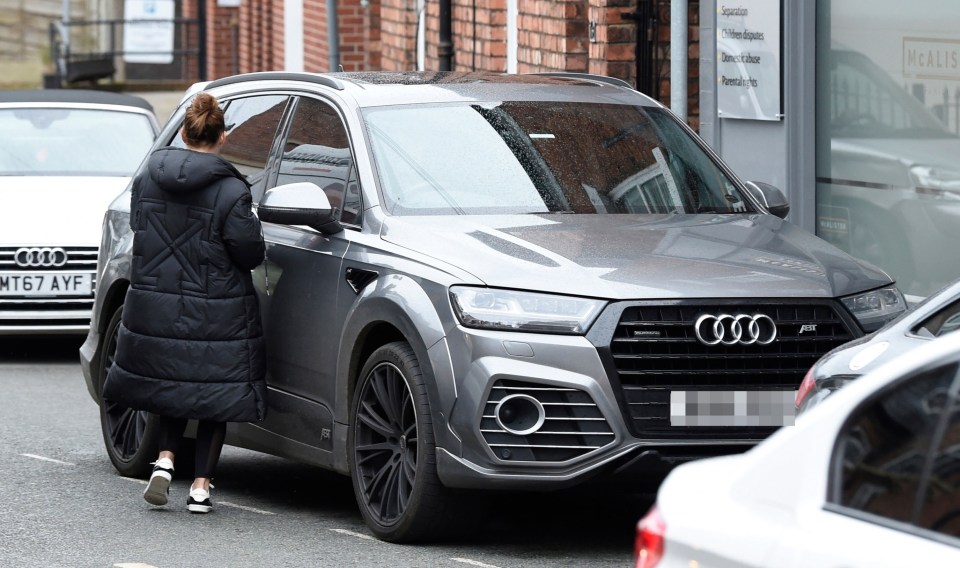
204,103
203,122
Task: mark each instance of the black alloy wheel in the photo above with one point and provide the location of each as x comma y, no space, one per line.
392,449
130,436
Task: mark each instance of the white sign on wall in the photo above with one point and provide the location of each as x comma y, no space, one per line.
145,41
748,59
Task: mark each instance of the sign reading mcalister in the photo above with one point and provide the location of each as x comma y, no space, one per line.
748,60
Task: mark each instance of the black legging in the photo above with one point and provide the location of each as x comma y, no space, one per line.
210,436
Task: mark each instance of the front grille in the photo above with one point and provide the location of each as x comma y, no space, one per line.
53,311
655,351
573,424
79,259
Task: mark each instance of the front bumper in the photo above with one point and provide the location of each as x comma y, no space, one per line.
606,412
89,352
21,319
589,436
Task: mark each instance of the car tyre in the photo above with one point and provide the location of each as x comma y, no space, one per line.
130,436
392,450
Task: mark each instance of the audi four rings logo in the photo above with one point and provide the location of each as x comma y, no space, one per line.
736,329
40,257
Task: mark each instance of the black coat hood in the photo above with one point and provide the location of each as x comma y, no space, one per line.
177,170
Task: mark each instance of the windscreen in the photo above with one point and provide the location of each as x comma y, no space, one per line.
72,142
543,157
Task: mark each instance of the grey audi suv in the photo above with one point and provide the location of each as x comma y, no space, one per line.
490,282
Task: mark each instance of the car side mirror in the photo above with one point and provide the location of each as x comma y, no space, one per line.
301,203
770,197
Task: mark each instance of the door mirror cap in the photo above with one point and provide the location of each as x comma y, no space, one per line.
301,203
770,197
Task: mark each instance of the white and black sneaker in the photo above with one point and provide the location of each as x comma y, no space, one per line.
159,486
199,500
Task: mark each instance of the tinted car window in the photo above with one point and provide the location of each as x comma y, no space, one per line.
317,150
939,510
76,142
537,157
885,451
251,127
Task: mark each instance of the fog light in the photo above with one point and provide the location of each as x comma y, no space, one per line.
520,414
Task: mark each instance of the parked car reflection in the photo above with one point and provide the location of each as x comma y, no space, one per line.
888,189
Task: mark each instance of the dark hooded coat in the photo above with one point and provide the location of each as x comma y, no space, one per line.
190,343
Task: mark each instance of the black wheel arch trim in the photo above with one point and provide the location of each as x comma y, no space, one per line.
113,299
369,314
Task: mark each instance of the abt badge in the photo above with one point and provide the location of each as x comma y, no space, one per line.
808,327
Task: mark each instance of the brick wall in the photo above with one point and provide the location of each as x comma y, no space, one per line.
188,9
553,36
245,39
352,35
316,56
260,44
351,19
260,27
278,51
612,51
398,34
479,35
221,57
371,29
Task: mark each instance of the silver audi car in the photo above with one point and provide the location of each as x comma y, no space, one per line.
490,282
65,154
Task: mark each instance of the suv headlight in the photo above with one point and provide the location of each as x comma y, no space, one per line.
489,308
876,308
936,182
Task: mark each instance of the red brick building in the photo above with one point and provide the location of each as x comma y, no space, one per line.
585,36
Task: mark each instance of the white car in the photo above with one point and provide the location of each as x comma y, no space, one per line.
870,477
65,155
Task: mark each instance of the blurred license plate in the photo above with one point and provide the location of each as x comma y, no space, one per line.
50,284
732,408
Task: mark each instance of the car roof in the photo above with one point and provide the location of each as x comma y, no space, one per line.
73,96
377,88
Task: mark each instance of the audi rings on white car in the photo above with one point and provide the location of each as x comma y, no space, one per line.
65,155
40,257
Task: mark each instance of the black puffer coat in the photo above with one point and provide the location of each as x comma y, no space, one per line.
190,344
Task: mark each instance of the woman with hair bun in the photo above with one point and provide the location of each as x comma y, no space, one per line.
190,344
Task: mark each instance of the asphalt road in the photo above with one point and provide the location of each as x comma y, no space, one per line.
63,504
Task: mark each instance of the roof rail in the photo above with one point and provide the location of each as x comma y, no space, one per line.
324,80
587,76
